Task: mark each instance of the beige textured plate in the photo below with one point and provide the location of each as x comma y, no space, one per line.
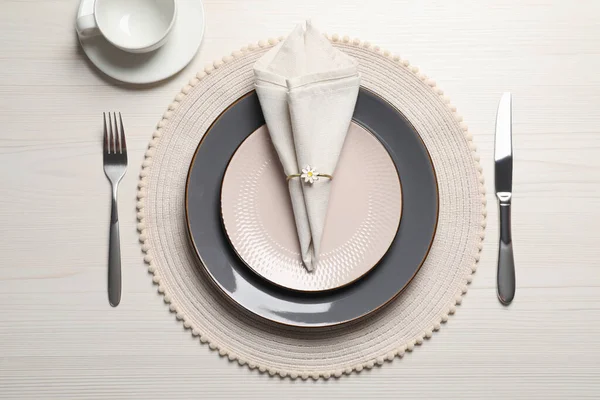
362,219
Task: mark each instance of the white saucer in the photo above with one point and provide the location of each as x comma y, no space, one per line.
176,53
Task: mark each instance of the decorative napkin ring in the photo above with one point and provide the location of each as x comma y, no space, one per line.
310,175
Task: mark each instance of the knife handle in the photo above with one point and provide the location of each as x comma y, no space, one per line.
506,261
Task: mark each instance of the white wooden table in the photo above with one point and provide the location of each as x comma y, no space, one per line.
60,339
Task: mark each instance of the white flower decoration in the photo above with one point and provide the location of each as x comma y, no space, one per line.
310,175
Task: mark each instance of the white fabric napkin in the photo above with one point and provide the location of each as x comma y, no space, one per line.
307,91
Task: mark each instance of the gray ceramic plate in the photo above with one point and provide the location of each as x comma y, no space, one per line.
384,282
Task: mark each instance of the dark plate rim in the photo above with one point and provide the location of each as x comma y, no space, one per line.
312,325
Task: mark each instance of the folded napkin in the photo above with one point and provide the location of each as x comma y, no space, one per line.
307,91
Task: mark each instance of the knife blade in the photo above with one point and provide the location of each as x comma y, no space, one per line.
503,157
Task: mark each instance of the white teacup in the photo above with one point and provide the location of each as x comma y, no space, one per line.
136,26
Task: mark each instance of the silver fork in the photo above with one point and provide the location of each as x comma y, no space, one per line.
115,165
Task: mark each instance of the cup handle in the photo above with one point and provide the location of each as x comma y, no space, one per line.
85,24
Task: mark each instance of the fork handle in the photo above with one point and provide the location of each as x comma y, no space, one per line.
506,261
114,254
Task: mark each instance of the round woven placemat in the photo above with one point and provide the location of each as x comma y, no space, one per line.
318,352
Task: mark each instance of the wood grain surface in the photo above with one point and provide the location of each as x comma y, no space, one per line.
59,338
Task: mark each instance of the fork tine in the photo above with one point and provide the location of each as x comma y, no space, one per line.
105,146
123,144
111,136
115,135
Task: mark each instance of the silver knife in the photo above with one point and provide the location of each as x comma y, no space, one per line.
503,177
